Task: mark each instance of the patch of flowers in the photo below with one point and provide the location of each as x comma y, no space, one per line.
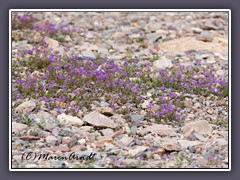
27,26
69,84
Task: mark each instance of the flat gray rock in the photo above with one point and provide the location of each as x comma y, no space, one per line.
44,119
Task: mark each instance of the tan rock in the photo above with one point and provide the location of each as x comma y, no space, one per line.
163,130
201,127
137,151
160,151
18,127
170,146
70,120
222,133
16,145
187,43
51,139
97,119
61,147
105,139
199,149
37,74
126,140
26,106
188,104
186,143
145,104
107,111
116,134
76,148
220,142
51,42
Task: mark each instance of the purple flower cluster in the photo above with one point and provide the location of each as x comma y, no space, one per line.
25,20
64,82
45,28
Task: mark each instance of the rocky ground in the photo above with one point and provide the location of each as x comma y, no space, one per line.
124,128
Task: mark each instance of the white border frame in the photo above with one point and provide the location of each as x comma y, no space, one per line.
120,10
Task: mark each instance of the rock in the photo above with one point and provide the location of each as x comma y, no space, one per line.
160,151
70,141
107,132
18,127
59,164
51,139
26,106
61,147
209,25
205,37
162,130
109,147
37,74
200,137
44,119
170,146
137,151
87,54
96,119
197,30
93,47
134,129
82,141
86,128
162,64
51,42
117,34
104,104
125,141
222,133
201,127
118,119
38,16
53,113
68,38
29,138
220,142
185,143
136,119
145,104
152,37
107,111
116,134
76,148
188,104
70,120
40,145
156,157
66,133
105,139
115,57
16,145
220,72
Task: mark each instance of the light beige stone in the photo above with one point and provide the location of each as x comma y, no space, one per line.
201,127
97,119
